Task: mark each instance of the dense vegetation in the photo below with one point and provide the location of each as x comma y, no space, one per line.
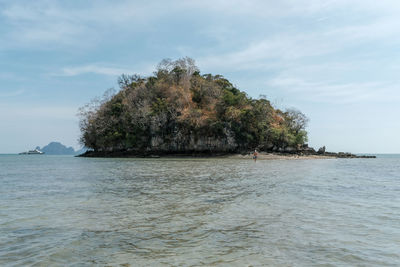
179,110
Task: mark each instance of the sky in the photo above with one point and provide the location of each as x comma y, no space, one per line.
335,60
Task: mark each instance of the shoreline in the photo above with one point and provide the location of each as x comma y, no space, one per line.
261,155
277,156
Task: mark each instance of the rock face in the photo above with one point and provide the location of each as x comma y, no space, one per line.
321,150
194,143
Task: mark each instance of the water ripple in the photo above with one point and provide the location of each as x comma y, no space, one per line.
198,212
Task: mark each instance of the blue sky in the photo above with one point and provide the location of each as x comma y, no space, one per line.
337,61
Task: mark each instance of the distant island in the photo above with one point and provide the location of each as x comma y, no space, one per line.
179,111
56,148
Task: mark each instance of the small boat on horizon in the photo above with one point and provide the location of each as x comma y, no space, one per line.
32,152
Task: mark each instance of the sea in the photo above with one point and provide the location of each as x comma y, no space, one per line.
69,211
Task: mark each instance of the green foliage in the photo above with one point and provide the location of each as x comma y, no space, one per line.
116,109
177,103
159,105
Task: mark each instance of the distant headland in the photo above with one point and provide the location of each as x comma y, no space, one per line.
179,111
55,148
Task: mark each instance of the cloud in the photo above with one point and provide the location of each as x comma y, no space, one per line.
96,69
272,9
337,93
333,60
36,112
145,68
287,47
261,8
34,24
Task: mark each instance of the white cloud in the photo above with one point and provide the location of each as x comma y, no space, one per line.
32,24
288,8
145,68
42,22
337,93
96,69
286,47
331,62
35,23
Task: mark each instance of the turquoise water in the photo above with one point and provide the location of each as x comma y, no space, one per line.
66,211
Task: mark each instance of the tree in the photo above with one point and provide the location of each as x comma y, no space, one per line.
177,106
296,120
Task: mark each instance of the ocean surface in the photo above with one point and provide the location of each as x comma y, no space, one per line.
66,211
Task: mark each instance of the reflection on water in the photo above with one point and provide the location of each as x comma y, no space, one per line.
195,212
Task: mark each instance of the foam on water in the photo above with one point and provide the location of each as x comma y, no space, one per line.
57,210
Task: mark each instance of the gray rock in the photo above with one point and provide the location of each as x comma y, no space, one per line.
321,150
290,149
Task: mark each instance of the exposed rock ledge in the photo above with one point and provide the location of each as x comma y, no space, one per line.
274,156
303,153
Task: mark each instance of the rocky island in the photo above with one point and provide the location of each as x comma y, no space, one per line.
179,111
56,148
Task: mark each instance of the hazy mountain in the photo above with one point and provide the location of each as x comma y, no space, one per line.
56,148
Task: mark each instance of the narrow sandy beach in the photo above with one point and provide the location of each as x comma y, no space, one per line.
273,156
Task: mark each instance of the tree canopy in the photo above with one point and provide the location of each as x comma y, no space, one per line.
179,110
